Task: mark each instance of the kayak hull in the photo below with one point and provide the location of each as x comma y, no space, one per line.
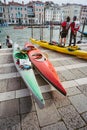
44,67
66,50
28,76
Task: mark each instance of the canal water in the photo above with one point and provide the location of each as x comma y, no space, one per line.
21,36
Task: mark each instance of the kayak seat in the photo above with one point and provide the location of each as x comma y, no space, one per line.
20,55
73,48
38,56
59,45
29,48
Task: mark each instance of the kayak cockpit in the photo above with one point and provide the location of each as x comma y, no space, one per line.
38,57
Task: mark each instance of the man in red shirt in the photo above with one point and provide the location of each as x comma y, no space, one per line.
65,27
75,25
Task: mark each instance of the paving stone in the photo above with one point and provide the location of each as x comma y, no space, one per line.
81,81
57,126
40,80
6,50
7,59
83,70
68,75
77,74
22,93
61,68
80,102
13,69
9,108
72,62
29,121
69,84
65,62
71,117
62,78
83,89
7,96
56,63
7,69
76,66
84,115
10,123
60,100
14,84
3,85
26,105
78,60
84,128
47,95
72,91
9,76
22,84
48,115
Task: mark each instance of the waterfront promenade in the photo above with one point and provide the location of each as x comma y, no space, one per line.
18,110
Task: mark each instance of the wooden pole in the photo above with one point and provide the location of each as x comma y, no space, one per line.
31,29
41,30
83,29
51,32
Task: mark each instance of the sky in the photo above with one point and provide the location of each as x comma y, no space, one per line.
83,2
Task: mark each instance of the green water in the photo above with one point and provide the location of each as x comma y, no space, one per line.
21,36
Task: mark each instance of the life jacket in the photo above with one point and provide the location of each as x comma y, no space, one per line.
65,25
77,24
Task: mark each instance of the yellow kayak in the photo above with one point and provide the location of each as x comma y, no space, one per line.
71,50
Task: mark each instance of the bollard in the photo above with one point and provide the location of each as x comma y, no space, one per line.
0,45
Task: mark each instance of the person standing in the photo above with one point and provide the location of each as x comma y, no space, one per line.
8,42
75,25
65,27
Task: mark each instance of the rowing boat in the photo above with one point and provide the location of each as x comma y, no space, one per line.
71,50
24,67
19,27
44,67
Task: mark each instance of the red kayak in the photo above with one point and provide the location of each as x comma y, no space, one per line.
44,67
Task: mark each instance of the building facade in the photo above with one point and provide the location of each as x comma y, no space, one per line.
38,12
71,10
83,14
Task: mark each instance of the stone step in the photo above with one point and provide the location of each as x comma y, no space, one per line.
11,82
6,58
7,68
6,50
44,89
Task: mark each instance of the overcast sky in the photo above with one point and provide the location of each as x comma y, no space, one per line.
83,2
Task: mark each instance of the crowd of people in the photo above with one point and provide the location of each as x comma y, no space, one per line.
73,27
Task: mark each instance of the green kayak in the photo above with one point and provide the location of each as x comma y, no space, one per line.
24,67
